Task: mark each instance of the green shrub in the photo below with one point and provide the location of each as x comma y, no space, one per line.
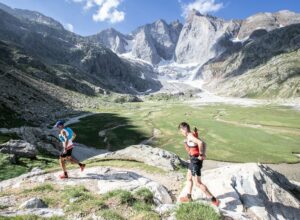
196,211
141,206
144,195
124,196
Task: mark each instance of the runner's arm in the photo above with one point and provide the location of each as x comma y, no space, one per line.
74,136
66,139
186,147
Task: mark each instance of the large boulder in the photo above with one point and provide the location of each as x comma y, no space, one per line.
250,191
146,154
19,148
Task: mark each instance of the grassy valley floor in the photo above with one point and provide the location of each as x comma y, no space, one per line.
266,134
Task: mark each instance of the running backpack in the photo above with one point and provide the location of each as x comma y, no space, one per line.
196,135
69,133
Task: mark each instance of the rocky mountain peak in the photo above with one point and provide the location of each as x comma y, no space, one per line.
198,40
32,16
268,22
160,21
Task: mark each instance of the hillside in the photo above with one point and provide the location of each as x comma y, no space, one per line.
59,70
264,66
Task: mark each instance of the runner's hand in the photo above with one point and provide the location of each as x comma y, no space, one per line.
202,157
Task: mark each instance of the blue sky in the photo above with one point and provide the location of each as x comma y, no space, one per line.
87,17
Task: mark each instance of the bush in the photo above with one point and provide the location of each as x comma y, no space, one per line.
110,215
141,206
196,211
124,196
145,195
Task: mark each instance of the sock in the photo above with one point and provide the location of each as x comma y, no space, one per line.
213,199
66,174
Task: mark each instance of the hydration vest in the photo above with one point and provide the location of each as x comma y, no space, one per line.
69,133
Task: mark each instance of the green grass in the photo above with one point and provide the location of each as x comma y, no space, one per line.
78,200
266,134
110,215
196,211
144,195
24,165
40,188
89,128
125,164
123,196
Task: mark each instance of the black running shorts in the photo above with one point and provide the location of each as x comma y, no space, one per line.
67,153
195,166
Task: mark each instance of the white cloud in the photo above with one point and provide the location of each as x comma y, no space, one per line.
107,10
69,26
203,6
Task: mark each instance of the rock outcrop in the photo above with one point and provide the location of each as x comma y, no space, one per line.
267,21
251,191
19,148
246,191
156,157
96,179
44,140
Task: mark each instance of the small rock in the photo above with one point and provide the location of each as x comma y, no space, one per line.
42,212
72,200
36,170
33,203
164,208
